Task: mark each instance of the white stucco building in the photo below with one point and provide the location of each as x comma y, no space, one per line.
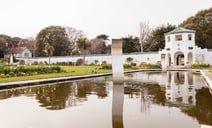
180,49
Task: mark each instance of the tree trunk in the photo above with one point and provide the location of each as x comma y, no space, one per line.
83,61
49,60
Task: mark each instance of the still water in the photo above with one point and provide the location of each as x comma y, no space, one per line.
148,100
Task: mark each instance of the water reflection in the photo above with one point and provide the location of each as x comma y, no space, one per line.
61,96
203,108
180,89
149,92
117,105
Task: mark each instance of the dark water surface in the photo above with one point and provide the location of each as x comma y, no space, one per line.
148,100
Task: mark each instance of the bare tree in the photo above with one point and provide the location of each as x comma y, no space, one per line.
144,32
27,42
73,35
99,44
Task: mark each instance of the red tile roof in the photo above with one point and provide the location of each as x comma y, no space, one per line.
16,50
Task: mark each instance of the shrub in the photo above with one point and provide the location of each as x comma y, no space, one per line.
21,62
133,64
200,65
45,62
35,63
150,66
92,64
104,62
127,65
129,59
107,66
41,63
2,75
96,62
12,74
79,62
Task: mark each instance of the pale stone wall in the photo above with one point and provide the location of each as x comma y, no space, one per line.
201,55
138,58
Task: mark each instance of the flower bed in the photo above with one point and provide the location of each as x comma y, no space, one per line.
16,70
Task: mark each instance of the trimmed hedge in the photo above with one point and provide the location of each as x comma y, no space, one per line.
150,66
200,65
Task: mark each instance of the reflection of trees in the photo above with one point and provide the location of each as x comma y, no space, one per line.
69,94
88,87
203,109
148,92
54,97
15,92
60,96
5,95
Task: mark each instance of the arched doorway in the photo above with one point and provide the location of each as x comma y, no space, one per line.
179,58
190,58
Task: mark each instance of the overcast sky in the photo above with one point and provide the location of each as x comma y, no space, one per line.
116,18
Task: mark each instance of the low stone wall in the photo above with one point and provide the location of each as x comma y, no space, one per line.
138,58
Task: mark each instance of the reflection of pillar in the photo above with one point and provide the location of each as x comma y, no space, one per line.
117,105
168,85
118,84
186,78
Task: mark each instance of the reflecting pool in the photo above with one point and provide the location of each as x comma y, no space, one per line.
147,99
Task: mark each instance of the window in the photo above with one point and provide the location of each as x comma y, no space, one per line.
189,37
178,37
168,38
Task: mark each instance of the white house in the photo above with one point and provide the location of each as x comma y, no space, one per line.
19,52
180,49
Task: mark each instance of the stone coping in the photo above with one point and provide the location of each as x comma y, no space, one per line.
208,78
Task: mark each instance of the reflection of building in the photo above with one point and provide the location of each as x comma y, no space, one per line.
181,86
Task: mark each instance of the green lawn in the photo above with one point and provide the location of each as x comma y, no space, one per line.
70,71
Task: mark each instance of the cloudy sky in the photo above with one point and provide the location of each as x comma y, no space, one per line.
116,18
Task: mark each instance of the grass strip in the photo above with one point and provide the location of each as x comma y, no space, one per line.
70,71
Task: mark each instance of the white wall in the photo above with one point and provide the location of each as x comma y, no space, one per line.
138,58
208,57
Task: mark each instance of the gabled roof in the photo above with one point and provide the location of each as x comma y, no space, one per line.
16,50
180,30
